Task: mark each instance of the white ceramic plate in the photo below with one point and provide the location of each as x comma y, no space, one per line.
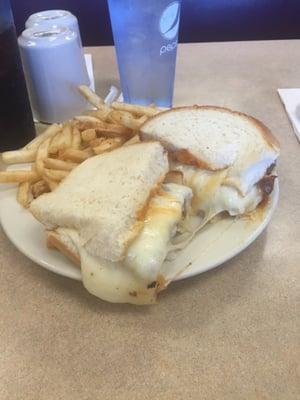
214,245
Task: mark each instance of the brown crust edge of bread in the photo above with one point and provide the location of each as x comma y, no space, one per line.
54,242
266,133
186,157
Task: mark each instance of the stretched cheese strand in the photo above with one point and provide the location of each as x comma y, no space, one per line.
147,253
211,197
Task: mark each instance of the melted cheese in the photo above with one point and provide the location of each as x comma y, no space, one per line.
108,280
113,282
228,199
212,197
133,280
147,253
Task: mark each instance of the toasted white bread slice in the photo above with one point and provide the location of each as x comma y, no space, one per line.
63,243
216,138
105,197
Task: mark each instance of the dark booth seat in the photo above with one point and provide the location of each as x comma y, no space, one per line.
201,20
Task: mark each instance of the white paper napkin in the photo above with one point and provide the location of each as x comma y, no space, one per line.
113,91
111,96
90,70
291,100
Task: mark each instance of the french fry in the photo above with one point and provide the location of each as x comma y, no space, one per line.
108,145
84,125
55,174
88,135
104,128
48,133
37,177
76,156
54,163
23,194
87,118
135,139
62,140
89,151
39,188
113,130
54,144
110,119
90,96
76,138
127,119
102,113
52,185
116,116
19,156
41,155
135,109
97,142
66,136
131,123
18,176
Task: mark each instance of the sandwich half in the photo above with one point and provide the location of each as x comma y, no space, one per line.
227,158
115,217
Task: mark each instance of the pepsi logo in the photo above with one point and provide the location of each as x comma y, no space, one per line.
169,21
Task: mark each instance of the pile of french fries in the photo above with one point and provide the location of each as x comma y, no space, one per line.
62,147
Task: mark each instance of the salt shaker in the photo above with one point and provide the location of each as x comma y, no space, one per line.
54,67
54,19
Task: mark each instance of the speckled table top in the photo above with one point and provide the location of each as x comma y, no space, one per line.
231,333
